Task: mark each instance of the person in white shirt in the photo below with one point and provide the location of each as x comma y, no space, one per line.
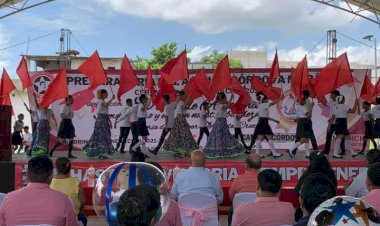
27,138
203,129
142,128
133,118
304,130
17,133
238,133
66,130
124,118
263,128
169,112
100,143
339,115
180,141
368,126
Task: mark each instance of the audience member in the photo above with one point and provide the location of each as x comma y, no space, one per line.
172,216
197,179
357,188
315,189
373,185
268,210
37,203
318,163
138,206
70,186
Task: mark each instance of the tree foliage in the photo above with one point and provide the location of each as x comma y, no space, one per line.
215,57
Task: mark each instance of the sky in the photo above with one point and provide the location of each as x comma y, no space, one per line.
134,27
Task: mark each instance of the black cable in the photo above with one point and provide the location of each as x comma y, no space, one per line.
76,40
358,41
316,45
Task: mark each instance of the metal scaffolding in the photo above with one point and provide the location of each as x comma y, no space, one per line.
10,7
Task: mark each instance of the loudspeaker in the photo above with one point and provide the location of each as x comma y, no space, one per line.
7,177
5,133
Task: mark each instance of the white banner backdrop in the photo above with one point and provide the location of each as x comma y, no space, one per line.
283,111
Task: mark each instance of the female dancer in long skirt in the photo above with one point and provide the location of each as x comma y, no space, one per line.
180,141
66,130
203,121
221,143
339,114
304,129
100,143
41,143
263,128
368,125
142,129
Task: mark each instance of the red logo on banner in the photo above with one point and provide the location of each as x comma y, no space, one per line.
41,81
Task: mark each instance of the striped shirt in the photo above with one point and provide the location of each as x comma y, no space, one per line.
246,182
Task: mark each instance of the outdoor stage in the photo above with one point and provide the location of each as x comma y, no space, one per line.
226,169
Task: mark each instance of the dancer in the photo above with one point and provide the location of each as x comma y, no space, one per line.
133,118
330,132
221,143
142,129
203,129
368,125
375,111
263,128
124,116
17,133
35,119
66,130
339,115
238,133
100,143
41,143
304,128
169,112
180,141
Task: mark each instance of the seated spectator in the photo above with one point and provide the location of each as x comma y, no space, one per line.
318,163
373,185
246,182
70,186
357,188
172,216
197,179
268,210
138,206
37,203
316,189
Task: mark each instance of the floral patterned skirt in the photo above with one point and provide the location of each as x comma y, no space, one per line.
100,142
180,139
41,144
221,143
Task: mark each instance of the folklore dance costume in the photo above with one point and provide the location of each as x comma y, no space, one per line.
180,140
100,143
66,130
41,143
221,143
203,126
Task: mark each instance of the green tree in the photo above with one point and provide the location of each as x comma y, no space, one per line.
161,55
216,56
140,63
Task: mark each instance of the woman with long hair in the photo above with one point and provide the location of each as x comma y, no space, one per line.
205,111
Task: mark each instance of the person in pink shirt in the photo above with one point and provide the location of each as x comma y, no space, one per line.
268,210
373,185
37,204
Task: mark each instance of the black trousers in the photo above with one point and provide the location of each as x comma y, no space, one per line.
164,133
124,132
135,136
239,134
329,136
202,130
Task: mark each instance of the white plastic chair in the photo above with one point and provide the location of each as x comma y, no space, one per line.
198,209
243,198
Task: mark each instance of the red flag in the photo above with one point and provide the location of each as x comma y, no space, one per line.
149,84
273,93
334,75
239,107
6,87
376,91
237,88
221,78
56,90
202,84
300,79
367,90
164,89
191,91
175,69
93,69
81,98
128,78
23,74
275,70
